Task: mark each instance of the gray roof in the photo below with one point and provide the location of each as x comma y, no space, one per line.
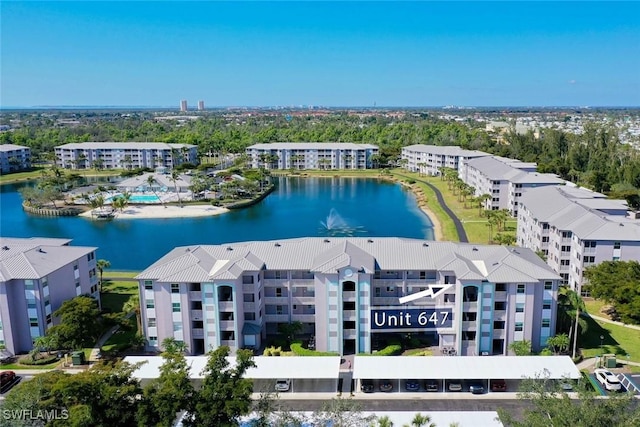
122,146
568,208
35,258
447,150
200,263
495,168
312,146
12,147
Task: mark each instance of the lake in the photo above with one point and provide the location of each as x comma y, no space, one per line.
298,207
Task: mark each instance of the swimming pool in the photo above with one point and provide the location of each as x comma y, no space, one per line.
137,198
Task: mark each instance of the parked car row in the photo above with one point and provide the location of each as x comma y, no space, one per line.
414,385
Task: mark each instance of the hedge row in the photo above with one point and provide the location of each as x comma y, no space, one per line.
297,348
44,361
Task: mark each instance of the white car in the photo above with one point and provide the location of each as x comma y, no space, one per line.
283,385
609,380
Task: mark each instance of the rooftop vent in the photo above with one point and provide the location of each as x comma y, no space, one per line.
5,248
41,251
277,245
369,241
187,250
327,240
475,249
229,248
426,245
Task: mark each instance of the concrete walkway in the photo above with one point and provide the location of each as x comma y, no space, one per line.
462,234
95,351
613,322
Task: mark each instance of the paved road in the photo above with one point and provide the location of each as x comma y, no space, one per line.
462,235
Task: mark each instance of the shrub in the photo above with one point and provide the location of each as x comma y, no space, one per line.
38,362
411,181
297,348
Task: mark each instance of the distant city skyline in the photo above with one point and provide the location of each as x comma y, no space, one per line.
347,54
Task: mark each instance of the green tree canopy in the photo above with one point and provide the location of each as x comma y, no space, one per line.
618,283
80,324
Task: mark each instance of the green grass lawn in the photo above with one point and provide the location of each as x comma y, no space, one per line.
120,340
17,366
594,306
617,340
115,293
21,176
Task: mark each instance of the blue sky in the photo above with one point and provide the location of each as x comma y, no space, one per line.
320,53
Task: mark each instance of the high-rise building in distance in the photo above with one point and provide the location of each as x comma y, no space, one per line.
183,105
200,105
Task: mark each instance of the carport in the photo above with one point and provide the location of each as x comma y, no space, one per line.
307,374
444,369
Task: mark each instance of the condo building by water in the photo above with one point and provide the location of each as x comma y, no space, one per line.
311,155
36,276
351,293
124,155
14,158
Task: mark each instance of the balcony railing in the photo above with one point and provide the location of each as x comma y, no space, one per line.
276,317
197,333
225,305
228,343
303,300
499,314
501,295
469,325
227,325
305,318
349,296
196,314
349,315
276,300
385,301
195,295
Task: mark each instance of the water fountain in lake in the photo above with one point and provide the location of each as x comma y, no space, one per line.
335,225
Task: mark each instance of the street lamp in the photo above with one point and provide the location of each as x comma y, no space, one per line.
601,343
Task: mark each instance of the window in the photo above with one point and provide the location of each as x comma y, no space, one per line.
175,307
589,244
153,341
616,245
498,324
564,262
247,280
148,285
548,286
501,287
279,309
377,291
546,305
546,323
278,292
449,298
566,234
149,303
177,326
249,316
249,297
520,307
33,321
48,319
519,326
31,304
565,248
175,288
28,284
545,239
152,322
615,258
521,288
499,305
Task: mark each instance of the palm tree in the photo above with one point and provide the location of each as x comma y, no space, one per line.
492,221
481,201
384,421
420,420
133,305
174,177
101,264
151,181
570,304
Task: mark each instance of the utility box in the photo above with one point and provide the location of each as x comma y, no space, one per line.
610,361
77,358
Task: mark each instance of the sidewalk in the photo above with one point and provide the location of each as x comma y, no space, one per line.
613,322
95,351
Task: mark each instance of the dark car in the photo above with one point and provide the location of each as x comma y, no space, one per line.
498,385
412,385
431,385
476,388
386,386
7,380
367,386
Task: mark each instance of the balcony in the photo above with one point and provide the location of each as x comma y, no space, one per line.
349,334
195,295
276,318
398,283
197,333
225,305
499,334
249,306
385,301
470,306
249,287
196,314
276,300
349,315
229,343
499,315
274,283
303,300
349,296
304,318
469,325
227,325
501,295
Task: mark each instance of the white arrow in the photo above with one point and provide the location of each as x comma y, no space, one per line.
433,291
